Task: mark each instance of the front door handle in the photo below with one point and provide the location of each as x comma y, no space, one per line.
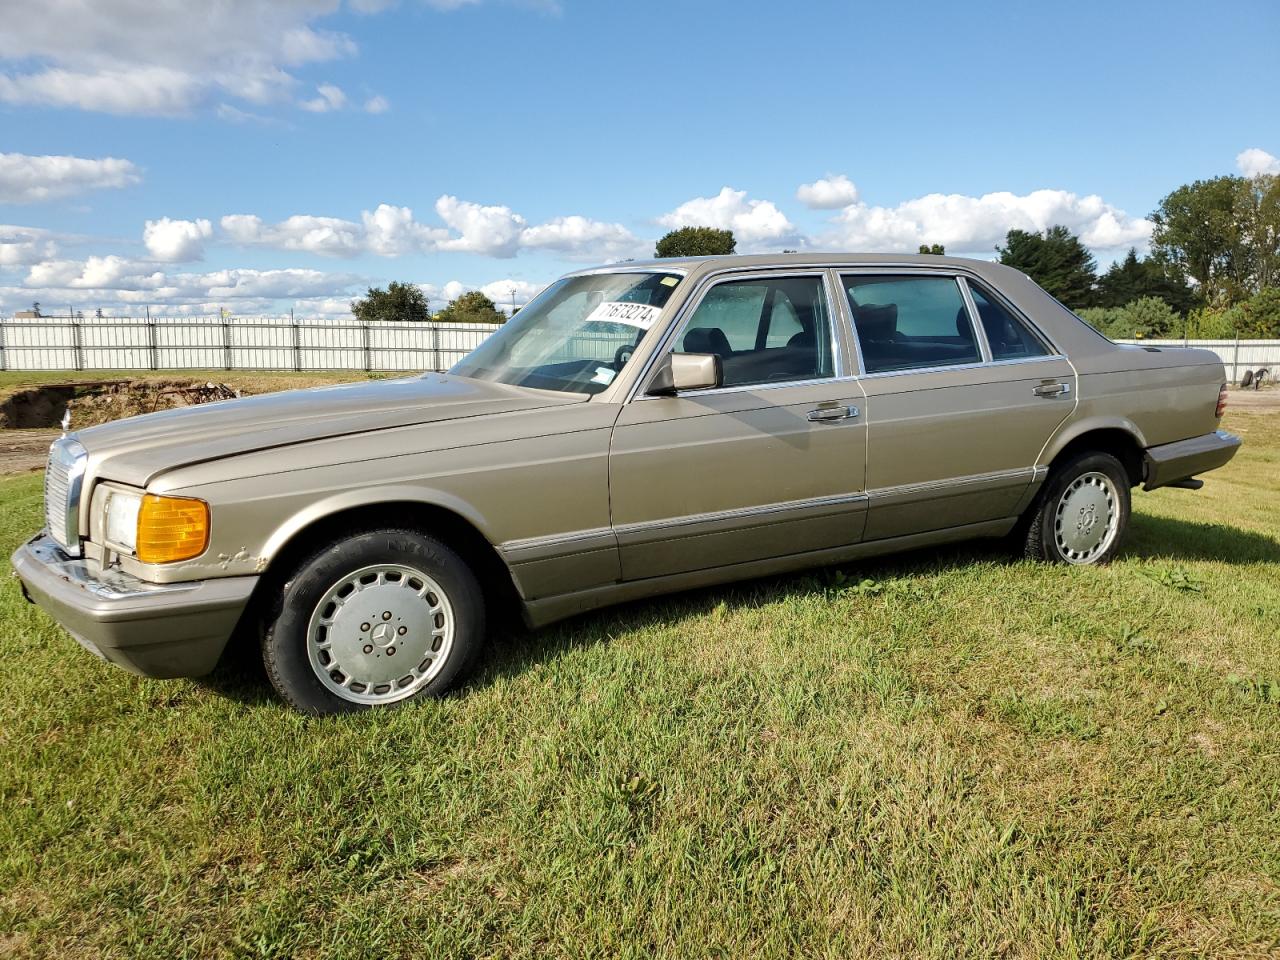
1052,390
826,414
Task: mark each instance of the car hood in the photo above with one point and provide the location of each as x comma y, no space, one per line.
136,450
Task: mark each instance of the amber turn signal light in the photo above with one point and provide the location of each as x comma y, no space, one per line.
171,529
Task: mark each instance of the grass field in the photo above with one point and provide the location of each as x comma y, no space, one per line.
943,754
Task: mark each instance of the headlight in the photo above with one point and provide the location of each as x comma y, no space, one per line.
121,528
157,529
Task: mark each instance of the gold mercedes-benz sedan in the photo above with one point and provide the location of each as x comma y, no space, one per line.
636,429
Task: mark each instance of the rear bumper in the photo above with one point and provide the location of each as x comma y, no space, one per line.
1171,462
155,630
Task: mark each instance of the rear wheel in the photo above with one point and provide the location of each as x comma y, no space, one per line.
1082,512
374,620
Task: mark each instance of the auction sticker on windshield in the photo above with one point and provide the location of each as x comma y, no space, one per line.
640,315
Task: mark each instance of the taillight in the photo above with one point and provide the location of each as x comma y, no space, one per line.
1222,402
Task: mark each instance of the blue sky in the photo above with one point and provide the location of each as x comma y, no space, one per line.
259,155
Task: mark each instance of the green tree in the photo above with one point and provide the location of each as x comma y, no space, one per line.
937,249
1055,259
1262,204
400,302
1148,317
1257,318
696,242
1133,278
1224,234
472,307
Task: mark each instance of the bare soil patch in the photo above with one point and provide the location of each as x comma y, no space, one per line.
31,412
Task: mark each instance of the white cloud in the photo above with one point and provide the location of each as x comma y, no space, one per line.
579,238
125,57
331,98
169,57
149,90
490,230
376,105
390,231
113,280
755,223
27,179
304,45
176,240
965,224
1255,161
21,246
328,236
829,193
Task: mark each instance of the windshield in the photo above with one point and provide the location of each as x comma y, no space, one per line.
576,336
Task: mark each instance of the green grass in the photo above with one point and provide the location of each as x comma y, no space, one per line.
943,754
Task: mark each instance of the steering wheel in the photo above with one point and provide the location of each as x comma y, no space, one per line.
626,351
622,355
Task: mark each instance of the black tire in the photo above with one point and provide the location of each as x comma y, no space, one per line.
287,649
1043,521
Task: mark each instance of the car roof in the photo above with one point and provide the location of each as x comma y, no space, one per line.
699,265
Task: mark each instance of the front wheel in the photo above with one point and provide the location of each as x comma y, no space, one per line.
1082,513
374,620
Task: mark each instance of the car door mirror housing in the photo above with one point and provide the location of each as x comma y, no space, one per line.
686,371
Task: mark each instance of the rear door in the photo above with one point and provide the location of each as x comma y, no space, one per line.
770,464
957,411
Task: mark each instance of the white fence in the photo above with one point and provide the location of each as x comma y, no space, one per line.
280,343
232,343
1238,355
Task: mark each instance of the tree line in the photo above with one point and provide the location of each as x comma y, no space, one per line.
405,302
1212,271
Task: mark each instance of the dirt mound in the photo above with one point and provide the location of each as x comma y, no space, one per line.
101,401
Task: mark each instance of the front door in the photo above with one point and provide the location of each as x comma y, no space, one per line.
957,413
771,463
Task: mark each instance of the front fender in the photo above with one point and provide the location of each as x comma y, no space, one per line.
336,503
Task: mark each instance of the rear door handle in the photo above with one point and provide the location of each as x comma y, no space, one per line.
1052,390
826,414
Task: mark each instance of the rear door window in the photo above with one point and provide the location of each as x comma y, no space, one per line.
910,323
1009,337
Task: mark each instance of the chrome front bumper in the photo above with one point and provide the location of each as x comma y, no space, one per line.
155,630
1171,462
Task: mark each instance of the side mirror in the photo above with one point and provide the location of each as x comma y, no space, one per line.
686,371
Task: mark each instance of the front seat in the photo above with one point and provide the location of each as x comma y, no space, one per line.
707,340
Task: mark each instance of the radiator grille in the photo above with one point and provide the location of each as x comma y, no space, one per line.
62,492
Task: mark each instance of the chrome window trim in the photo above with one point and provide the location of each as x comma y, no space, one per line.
754,387
699,293
965,366
979,331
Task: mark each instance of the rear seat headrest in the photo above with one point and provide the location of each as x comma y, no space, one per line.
876,321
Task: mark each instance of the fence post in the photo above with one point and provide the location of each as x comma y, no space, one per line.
435,346
297,345
226,343
1235,362
77,340
4,356
368,353
153,343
